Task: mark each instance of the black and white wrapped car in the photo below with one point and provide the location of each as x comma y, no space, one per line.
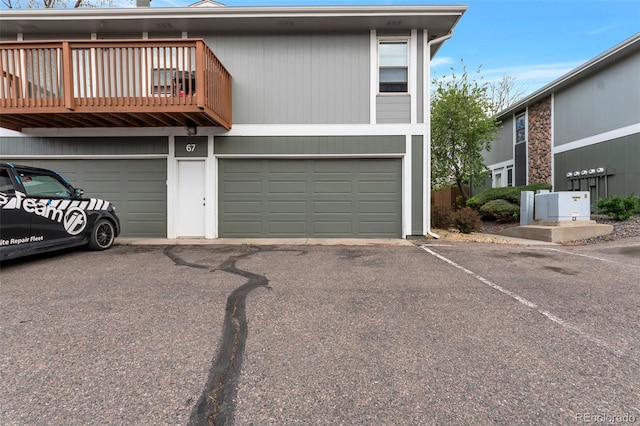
40,211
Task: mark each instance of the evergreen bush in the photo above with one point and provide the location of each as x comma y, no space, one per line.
619,208
509,193
500,210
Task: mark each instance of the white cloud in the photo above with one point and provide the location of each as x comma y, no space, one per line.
531,77
601,30
532,72
526,78
441,61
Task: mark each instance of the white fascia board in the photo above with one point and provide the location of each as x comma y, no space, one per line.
211,191
373,77
313,156
406,188
599,138
321,130
572,76
500,165
236,130
236,12
426,113
413,75
172,183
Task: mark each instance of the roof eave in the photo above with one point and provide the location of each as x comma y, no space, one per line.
583,71
230,12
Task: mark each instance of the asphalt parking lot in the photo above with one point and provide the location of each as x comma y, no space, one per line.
457,333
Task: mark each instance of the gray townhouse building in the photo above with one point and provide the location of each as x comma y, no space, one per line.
214,121
580,132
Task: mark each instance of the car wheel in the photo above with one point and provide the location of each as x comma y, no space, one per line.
102,235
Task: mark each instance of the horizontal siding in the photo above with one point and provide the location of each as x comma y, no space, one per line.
605,101
393,109
619,156
309,145
16,146
297,79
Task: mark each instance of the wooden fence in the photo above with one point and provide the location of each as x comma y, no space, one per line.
445,197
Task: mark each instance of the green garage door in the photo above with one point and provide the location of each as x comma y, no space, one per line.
137,188
359,198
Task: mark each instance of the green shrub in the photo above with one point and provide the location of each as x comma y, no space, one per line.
500,211
441,217
509,193
467,220
619,208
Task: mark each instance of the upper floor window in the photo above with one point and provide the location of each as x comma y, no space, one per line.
393,63
521,128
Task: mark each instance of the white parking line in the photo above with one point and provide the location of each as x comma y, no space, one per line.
591,257
530,304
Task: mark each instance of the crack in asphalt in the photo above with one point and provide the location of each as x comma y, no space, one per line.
168,251
216,405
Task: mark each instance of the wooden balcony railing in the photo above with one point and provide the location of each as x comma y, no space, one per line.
113,83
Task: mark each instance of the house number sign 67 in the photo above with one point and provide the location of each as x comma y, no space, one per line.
190,147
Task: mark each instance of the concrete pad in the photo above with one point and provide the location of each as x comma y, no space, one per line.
558,233
267,241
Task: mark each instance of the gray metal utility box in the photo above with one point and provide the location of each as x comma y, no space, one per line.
563,206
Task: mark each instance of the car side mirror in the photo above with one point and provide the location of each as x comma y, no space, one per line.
78,192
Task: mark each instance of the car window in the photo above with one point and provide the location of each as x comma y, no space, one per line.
36,183
6,185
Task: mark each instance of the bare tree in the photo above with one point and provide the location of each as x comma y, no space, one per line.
504,93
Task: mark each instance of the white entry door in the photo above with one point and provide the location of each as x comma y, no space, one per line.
191,198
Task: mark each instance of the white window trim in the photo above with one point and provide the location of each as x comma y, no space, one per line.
494,173
525,114
525,142
411,52
506,177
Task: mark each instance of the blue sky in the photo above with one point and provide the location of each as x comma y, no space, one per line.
533,41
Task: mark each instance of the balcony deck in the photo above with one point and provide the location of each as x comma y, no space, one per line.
112,83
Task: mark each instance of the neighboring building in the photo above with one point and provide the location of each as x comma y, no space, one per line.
580,132
230,121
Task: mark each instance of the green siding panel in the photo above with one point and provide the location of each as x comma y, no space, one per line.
14,146
417,184
137,188
311,198
621,157
309,145
191,146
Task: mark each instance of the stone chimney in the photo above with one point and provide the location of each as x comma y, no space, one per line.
143,3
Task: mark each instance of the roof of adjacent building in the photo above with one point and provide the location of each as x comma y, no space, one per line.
437,20
605,59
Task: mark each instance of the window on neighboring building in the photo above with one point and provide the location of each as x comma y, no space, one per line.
393,61
497,178
510,176
521,128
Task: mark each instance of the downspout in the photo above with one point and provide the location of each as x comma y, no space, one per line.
427,162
